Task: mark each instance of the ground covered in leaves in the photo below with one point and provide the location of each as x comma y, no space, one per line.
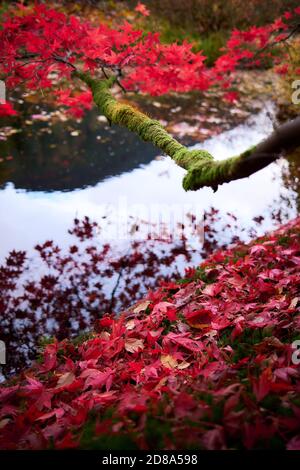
207,362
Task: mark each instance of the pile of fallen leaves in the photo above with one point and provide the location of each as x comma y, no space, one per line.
206,362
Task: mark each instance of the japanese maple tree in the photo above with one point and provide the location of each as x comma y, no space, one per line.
208,361
43,48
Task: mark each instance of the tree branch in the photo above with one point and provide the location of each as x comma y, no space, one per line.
202,169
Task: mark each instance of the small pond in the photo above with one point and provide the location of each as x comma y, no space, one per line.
55,173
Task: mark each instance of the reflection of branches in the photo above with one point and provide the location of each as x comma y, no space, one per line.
291,175
81,302
113,292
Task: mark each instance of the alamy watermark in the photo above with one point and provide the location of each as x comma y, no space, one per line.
2,92
152,221
296,353
2,353
296,94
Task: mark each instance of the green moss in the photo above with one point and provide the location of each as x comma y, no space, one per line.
82,338
112,441
209,173
211,46
202,170
248,152
284,240
156,432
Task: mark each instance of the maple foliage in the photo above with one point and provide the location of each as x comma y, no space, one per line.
6,109
76,286
201,362
62,292
41,47
204,362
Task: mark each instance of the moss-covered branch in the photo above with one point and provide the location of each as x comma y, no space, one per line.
202,169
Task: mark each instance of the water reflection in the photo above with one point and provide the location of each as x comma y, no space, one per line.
291,175
66,155
31,216
46,152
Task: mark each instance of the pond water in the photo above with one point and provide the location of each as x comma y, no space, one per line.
54,173
57,173
111,176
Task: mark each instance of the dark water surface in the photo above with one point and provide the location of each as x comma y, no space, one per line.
50,174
